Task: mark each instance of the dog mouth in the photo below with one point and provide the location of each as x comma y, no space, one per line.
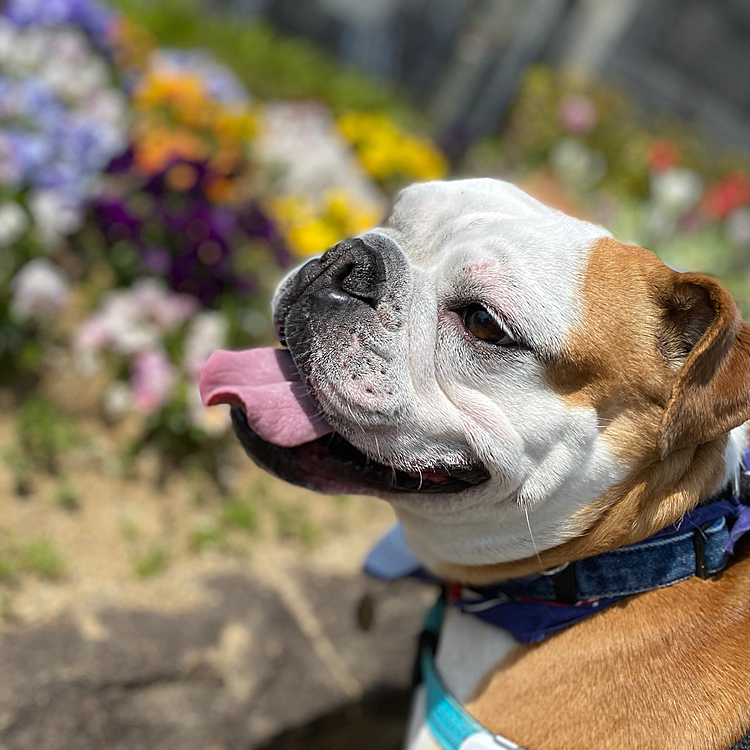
278,422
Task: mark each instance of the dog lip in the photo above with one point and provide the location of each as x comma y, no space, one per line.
332,464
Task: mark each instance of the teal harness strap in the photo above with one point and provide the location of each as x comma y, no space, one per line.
451,726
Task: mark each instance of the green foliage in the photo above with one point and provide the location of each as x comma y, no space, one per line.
240,513
271,64
150,562
21,470
44,433
207,535
40,556
292,523
7,611
8,568
129,530
181,445
21,347
66,496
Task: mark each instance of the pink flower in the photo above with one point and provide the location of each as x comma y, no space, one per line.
133,320
577,114
166,309
152,380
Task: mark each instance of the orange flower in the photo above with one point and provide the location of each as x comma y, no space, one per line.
663,155
154,149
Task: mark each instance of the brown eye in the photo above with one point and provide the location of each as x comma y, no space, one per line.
482,325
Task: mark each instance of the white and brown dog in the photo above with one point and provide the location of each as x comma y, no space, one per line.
526,391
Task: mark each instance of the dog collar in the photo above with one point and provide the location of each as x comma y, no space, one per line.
534,607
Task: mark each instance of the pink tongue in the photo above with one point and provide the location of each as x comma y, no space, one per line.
267,386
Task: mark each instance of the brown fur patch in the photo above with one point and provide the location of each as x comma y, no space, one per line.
667,669
622,362
664,360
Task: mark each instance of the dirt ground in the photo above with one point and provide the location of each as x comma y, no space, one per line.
139,615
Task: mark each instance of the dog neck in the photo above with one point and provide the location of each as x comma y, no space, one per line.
648,500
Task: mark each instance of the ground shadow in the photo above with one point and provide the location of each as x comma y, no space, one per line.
377,722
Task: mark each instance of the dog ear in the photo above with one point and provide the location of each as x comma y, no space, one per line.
704,333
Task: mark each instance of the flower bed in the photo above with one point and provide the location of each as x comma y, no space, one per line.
149,203
658,182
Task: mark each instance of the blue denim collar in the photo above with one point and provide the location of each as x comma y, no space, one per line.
536,606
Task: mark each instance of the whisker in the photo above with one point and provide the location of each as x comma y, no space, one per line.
531,535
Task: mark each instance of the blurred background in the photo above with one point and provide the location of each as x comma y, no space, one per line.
162,164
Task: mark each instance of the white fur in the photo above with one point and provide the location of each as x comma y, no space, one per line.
467,647
486,240
738,439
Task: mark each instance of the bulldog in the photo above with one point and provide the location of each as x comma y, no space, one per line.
527,392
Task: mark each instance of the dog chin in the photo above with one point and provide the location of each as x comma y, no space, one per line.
332,465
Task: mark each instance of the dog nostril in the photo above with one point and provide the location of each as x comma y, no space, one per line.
340,275
355,270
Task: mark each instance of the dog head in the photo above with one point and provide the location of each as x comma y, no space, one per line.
515,381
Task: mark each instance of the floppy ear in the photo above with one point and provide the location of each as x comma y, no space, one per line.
711,394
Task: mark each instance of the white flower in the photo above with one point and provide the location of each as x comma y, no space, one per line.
676,190
165,309
54,215
118,400
207,333
576,163
738,226
118,325
13,223
301,146
40,291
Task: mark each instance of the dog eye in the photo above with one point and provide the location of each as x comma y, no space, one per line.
482,325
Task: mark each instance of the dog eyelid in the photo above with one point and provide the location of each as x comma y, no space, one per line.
483,325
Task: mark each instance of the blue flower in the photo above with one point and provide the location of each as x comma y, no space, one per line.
90,15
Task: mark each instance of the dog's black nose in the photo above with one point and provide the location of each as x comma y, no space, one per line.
352,269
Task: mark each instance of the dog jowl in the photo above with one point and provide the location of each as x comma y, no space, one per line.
523,388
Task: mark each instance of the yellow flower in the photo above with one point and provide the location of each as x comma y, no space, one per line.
349,217
312,239
424,160
388,151
311,229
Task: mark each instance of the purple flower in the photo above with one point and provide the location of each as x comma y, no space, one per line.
60,121
181,236
157,260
